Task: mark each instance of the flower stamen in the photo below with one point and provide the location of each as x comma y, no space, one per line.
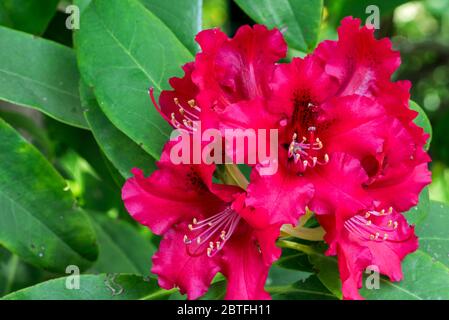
367,229
185,118
304,152
214,231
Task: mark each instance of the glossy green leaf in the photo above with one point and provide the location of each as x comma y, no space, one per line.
122,50
40,74
182,17
123,153
423,121
30,16
300,18
37,135
121,243
433,232
294,260
94,287
326,269
307,289
424,279
216,291
38,215
279,276
420,212
82,4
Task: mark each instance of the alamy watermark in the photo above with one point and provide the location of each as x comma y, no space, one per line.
72,281
232,146
373,20
73,20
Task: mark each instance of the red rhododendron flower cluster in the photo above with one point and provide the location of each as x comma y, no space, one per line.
348,150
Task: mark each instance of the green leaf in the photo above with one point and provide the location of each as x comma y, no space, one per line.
422,121
182,17
123,153
327,272
40,74
30,16
216,291
279,276
37,134
121,243
82,4
420,212
38,216
294,260
433,232
424,279
95,287
307,289
120,57
301,18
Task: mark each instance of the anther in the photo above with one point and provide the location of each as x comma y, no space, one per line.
305,163
212,233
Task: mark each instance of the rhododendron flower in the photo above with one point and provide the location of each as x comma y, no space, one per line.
206,229
378,237
348,147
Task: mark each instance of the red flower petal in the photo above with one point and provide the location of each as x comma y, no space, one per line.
357,59
175,267
231,70
170,194
244,267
